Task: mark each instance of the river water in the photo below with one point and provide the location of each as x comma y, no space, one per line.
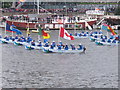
97,68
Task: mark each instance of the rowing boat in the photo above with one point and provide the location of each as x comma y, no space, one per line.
30,47
6,41
55,50
106,43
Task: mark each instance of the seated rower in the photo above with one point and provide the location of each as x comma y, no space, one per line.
80,34
19,40
84,35
16,37
72,46
60,43
111,37
114,41
46,44
103,40
10,37
59,47
87,32
7,38
95,32
100,32
53,44
101,36
66,47
95,36
40,44
108,40
33,43
80,47
105,37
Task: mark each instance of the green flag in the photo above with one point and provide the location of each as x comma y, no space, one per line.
39,31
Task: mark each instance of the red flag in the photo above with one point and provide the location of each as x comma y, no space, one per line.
64,34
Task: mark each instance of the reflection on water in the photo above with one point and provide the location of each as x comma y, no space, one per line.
98,67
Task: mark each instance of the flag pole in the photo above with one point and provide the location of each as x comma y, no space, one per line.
12,30
5,26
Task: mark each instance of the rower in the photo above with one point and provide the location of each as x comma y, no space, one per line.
101,36
95,32
80,46
84,35
108,40
59,47
80,34
40,44
103,40
111,37
46,44
87,32
7,38
33,43
10,37
16,37
66,47
114,41
95,36
53,44
100,32
105,37
72,46
19,40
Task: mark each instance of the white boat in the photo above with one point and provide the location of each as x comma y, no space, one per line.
6,41
106,43
55,50
31,47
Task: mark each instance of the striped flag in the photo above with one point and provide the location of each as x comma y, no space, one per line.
64,34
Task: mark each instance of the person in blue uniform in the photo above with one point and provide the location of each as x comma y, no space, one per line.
80,47
100,32
87,32
105,37
66,47
10,37
7,38
114,41
16,37
108,40
46,44
85,35
19,40
59,47
95,32
101,36
53,44
33,43
72,46
111,37
95,36
103,40
80,34
40,44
